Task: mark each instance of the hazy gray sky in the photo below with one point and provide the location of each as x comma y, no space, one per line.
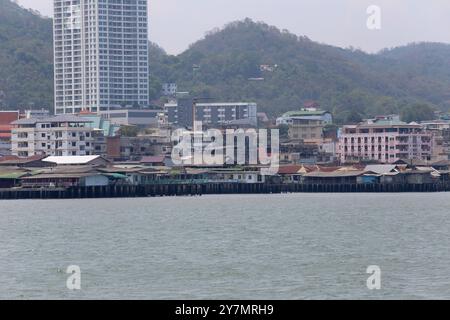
174,24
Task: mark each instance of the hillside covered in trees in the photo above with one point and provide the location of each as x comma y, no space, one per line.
410,80
254,62
26,57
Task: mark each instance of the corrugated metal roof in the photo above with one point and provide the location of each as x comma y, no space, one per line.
428,169
443,163
381,168
121,170
335,174
12,175
418,172
25,121
59,118
383,124
192,171
225,104
153,159
17,160
70,169
291,169
61,176
64,160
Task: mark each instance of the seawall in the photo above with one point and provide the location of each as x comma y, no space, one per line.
168,190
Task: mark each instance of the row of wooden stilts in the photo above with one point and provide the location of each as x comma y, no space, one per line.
160,190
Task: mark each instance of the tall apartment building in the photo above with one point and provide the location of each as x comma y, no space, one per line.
63,135
101,54
385,142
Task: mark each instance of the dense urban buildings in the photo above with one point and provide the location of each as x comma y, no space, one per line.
307,124
100,55
63,135
309,128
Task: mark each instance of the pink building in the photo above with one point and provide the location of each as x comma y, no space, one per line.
385,142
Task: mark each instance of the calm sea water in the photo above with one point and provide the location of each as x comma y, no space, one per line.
300,246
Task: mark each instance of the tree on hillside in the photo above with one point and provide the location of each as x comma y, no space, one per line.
417,112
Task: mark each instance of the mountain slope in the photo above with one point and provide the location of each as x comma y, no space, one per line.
345,81
423,69
351,83
26,54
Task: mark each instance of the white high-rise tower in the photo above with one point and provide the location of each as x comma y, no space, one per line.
101,54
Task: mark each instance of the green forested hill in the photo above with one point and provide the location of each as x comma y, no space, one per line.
422,70
410,80
351,83
26,57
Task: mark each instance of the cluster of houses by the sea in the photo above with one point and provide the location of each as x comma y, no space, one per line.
135,146
95,171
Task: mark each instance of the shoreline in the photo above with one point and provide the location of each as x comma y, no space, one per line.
179,190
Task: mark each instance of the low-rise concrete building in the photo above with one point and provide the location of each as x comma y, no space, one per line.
181,113
102,129
65,180
64,135
143,118
309,130
236,176
384,142
441,139
134,148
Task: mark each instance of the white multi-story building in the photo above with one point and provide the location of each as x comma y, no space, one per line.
101,54
63,135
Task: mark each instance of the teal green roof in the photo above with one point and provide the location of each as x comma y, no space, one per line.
303,113
390,122
98,122
12,175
